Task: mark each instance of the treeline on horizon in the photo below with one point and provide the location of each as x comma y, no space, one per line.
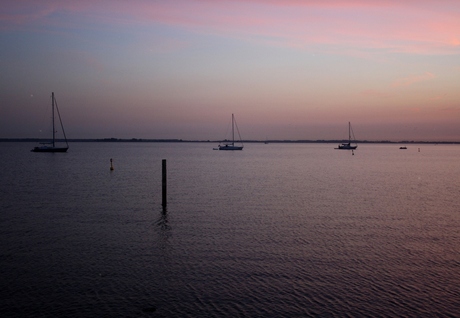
244,141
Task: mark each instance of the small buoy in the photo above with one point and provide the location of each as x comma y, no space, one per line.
111,165
352,152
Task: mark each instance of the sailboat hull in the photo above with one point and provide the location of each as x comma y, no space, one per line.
50,149
346,147
229,147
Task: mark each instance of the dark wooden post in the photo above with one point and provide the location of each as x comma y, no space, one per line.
163,201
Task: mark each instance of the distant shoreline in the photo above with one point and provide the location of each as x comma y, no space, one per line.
217,141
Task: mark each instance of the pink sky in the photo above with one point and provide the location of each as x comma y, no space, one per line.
289,69
423,27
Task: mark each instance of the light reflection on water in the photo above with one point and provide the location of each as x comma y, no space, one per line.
274,230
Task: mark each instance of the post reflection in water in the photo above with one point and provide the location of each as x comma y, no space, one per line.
163,229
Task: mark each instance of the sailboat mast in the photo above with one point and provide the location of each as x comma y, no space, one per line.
349,132
52,112
233,132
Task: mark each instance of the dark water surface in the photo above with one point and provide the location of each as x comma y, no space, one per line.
277,230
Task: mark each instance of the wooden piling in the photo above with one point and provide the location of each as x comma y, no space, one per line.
163,201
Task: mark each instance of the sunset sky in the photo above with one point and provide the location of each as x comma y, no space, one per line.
287,69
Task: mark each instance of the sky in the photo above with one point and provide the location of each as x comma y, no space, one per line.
287,69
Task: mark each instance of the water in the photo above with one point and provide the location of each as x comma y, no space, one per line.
278,230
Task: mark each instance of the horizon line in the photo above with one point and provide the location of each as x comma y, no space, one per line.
112,139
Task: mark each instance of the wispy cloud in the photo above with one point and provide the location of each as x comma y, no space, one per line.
374,93
422,27
407,81
451,109
438,97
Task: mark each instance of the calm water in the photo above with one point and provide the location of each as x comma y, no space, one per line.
278,230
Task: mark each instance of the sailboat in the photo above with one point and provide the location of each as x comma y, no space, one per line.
51,146
231,145
348,146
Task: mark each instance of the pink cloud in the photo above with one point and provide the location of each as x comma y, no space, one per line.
407,81
374,93
455,42
438,97
451,109
335,26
